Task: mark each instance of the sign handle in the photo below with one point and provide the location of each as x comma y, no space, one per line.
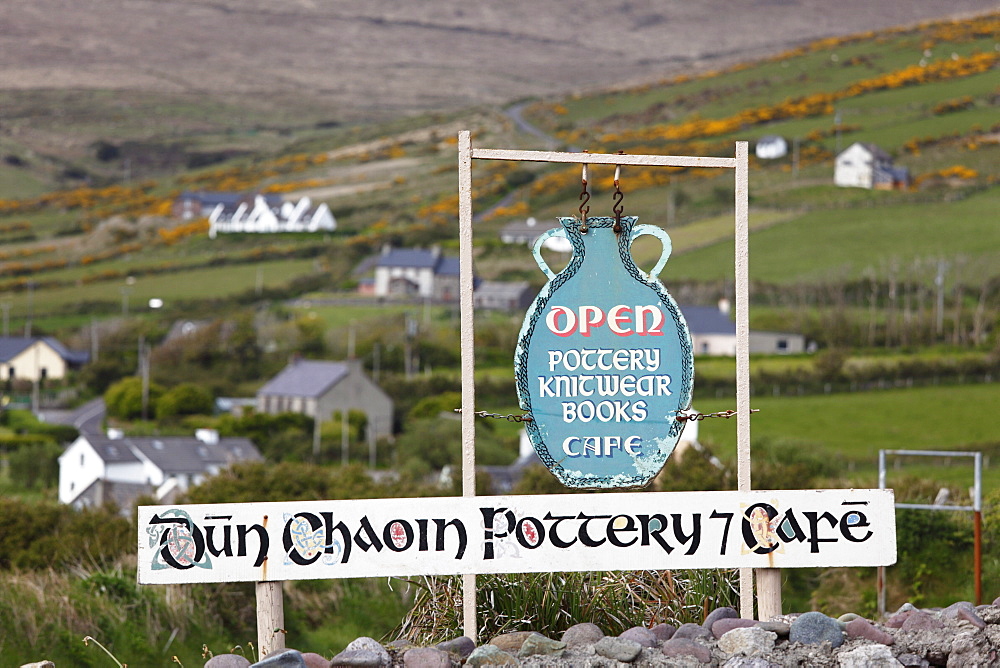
270,618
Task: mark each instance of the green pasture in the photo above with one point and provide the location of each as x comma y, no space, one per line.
193,284
827,244
852,428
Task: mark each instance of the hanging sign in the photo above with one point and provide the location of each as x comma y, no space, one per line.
300,540
604,362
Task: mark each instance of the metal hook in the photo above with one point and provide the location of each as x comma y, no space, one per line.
618,197
584,197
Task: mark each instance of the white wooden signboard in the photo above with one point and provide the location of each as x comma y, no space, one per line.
258,542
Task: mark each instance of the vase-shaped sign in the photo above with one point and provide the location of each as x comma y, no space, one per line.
604,362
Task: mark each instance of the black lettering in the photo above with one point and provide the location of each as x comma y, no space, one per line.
372,541
462,538
584,536
345,533
757,528
694,536
814,539
227,543
553,535
853,520
387,536
168,535
612,531
489,514
423,535
286,540
725,532
645,521
789,528
263,541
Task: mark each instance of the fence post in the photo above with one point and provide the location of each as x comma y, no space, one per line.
270,618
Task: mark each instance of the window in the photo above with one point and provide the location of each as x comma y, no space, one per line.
81,459
782,344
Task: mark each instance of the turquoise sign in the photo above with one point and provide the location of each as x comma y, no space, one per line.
604,361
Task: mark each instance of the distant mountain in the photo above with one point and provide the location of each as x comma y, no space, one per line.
385,57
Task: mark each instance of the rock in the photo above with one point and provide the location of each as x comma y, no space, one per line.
314,660
426,657
618,649
781,629
813,628
913,661
848,617
461,647
996,601
641,635
906,607
220,661
862,628
971,649
952,610
966,615
49,664
724,626
717,614
358,657
490,655
582,634
747,662
537,644
681,647
989,613
285,658
747,641
511,642
399,645
897,619
663,632
868,656
691,631
918,620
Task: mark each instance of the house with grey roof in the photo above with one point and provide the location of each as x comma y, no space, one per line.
865,165
320,388
713,332
29,358
97,469
416,272
503,295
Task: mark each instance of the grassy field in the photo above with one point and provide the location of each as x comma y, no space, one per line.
852,428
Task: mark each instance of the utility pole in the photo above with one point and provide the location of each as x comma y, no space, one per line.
795,159
6,318
942,267
31,309
144,373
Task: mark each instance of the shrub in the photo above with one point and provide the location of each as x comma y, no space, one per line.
35,465
124,398
185,399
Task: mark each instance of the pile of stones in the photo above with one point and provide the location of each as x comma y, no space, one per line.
961,635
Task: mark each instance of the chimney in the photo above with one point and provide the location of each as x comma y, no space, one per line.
724,306
207,436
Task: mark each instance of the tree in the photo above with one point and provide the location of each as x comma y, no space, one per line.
124,398
185,399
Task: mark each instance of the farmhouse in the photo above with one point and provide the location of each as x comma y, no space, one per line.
321,388
714,333
522,232
197,204
95,470
416,272
503,295
34,359
864,165
770,147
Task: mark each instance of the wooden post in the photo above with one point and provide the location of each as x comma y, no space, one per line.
468,357
270,618
743,351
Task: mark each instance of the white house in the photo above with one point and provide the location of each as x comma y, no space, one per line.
864,165
95,469
34,359
263,215
416,272
714,333
770,147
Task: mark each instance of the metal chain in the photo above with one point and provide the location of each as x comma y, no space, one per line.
694,417
510,417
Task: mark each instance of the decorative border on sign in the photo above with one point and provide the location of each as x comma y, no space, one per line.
625,240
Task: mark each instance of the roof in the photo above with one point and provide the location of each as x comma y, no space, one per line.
227,199
186,454
449,266
708,320
12,346
502,289
409,257
112,451
306,378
